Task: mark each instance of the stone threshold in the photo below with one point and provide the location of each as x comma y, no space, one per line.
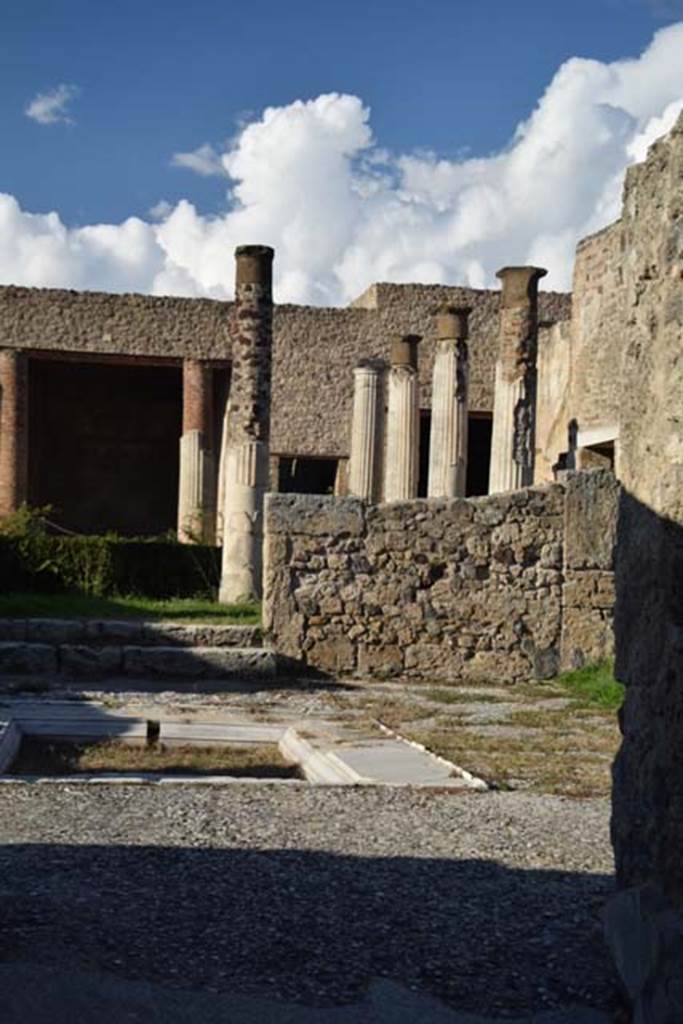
351,760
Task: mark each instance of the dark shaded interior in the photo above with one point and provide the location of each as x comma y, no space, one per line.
103,443
479,429
297,475
425,438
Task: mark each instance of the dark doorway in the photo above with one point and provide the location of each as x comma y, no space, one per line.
306,475
479,428
425,438
103,445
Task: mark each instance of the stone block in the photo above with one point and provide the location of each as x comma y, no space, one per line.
198,662
12,630
112,631
82,662
333,655
27,659
590,520
383,661
55,631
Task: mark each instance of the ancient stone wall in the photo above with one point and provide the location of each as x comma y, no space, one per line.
590,519
315,349
645,922
96,322
457,589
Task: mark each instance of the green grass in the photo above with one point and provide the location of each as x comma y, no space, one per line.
83,606
38,757
593,686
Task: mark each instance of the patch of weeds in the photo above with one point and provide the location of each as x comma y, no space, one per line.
38,757
594,686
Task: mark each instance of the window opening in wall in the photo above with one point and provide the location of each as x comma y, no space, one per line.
425,435
306,474
479,428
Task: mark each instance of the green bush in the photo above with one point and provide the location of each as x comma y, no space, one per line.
32,558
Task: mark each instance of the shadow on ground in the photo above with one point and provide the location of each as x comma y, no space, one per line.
306,927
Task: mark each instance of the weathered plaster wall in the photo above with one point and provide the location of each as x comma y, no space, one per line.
580,360
315,349
645,922
454,590
590,519
96,322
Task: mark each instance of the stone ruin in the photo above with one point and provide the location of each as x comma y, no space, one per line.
446,549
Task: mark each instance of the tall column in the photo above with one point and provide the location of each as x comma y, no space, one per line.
13,430
514,404
367,433
197,487
402,460
246,469
450,382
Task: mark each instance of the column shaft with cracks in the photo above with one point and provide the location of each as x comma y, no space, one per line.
402,458
367,431
246,466
514,403
450,383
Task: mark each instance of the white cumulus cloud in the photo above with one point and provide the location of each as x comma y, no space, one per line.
341,212
51,107
204,160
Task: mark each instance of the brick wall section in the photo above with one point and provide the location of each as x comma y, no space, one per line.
198,399
13,430
459,589
590,520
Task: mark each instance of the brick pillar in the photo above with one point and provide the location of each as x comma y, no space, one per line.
448,439
367,430
246,469
197,488
402,462
514,403
13,430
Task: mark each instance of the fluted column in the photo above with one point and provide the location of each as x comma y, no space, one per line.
402,458
514,404
367,430
450,383
13,430
197,491
246,469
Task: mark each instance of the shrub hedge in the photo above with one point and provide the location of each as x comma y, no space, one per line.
34,559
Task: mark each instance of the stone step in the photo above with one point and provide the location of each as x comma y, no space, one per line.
81,661
119,633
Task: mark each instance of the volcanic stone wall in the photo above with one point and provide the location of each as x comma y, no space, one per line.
459,589
645,922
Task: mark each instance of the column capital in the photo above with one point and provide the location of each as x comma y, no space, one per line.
520,285
369,366
452,322
254,265
404,350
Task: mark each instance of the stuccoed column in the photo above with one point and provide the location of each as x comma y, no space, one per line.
367,433
13,430
245,470
514,403
450,383
196,491
402,459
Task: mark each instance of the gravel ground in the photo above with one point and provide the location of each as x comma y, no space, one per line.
489,901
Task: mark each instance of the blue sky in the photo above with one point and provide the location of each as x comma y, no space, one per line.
153,79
